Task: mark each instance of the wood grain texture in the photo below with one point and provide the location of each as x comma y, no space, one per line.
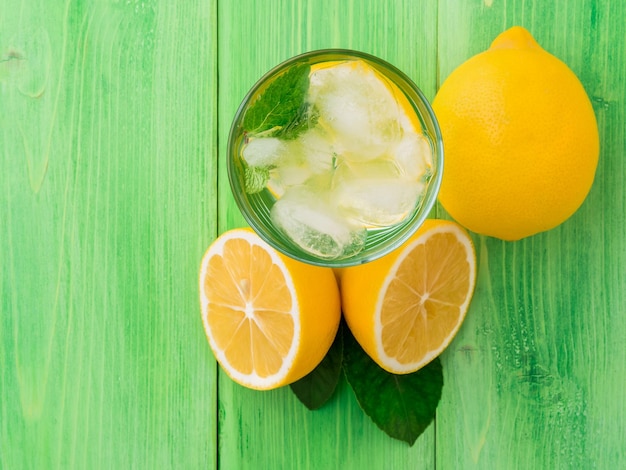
107,147
114,118
272,429
534,379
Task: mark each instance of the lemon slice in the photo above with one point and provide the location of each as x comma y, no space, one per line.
269,319
404,309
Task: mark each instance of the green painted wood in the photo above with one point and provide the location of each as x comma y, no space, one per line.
114,118
272,429
535,377
107,201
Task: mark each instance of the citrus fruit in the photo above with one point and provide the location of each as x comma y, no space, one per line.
406,307
520,138
269,319
328,77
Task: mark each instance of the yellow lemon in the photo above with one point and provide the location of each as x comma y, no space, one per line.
406,307
520,139
269,319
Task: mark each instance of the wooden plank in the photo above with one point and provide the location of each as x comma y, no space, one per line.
107,201
108,153
534,379
272,429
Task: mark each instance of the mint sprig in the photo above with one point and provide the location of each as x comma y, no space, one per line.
304,119
403,406
255,178
281,109
316,388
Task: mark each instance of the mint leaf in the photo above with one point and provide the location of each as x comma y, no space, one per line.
255,178
403,406
316,388
280,103
305,118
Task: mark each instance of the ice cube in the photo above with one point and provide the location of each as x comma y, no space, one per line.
413,156
358,107
379,203
380,168
311,222
263,151
309,157
285,177
317,150
374,193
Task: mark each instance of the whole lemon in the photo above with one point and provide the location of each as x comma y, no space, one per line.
520,139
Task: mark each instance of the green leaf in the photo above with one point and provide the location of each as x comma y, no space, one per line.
305,118
255,178
316,388
280,103
403,406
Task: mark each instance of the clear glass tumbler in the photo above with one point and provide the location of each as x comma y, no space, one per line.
289,86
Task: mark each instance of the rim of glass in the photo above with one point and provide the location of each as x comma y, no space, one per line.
394,236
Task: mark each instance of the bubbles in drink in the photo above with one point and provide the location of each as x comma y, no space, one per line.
362,164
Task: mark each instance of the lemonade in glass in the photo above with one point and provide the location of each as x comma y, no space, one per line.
335,157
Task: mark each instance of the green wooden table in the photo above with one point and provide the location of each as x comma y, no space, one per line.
114,116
